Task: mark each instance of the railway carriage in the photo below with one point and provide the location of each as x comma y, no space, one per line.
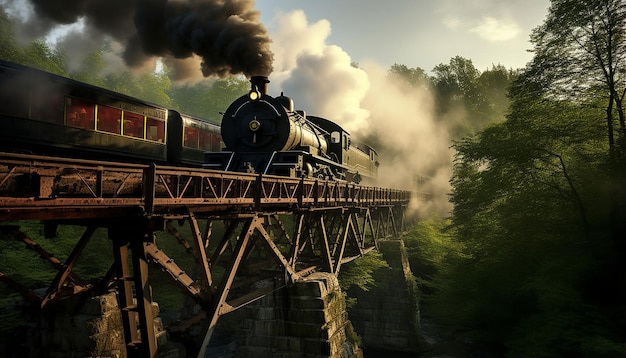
43,113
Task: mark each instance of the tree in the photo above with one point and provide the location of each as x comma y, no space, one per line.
39,55
156,87
91,69
415,77
9,50
580,52
208,98
494,84
360,272
530,212
467,98
581,55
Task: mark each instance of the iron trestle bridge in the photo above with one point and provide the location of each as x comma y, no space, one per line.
274,231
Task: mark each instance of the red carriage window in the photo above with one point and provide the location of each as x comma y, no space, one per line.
109,119
206,140
191,137
133,124
79,113
155,130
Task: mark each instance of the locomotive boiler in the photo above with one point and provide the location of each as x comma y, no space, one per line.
265,134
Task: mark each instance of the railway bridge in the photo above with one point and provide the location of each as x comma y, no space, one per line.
273,232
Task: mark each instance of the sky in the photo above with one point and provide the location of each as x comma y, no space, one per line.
415,33
423,33
308,48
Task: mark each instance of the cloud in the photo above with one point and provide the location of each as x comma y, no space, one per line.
413,145
292,36
318,76
452,23
494,30
393,117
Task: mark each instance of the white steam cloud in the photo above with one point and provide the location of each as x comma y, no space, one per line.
413,148
495,30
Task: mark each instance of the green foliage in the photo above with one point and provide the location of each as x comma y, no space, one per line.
9,49
208,99
361,272
430,246
415,77
90,70
580,52
533,209
468,97
29,269
521,195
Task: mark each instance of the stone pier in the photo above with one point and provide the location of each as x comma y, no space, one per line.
90,328
387,316
307,320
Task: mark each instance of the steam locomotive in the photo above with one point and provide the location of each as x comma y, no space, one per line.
264,134
46,114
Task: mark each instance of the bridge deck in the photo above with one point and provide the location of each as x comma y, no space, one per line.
34,187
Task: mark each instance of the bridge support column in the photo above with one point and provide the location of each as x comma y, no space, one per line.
134,302
308,319
387,316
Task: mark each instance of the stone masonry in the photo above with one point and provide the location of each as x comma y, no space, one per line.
387,316
307,320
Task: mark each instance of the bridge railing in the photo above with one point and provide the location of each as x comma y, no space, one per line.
259,190
32,182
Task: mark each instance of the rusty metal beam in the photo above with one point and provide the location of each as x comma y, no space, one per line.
27,293
125,290
225,285
178,275
142,296
134,303
62,280
202,259
276,254
14,231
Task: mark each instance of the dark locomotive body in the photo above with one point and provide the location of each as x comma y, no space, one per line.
264,134
42,113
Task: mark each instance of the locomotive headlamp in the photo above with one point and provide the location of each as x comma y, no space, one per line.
254,125
254,95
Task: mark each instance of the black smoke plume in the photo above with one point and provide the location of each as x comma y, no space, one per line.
226,34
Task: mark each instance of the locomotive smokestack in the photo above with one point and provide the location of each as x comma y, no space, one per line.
260,83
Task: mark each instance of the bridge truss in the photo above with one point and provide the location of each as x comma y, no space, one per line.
273,231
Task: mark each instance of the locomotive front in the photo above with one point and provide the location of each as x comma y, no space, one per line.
260,123
264,134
